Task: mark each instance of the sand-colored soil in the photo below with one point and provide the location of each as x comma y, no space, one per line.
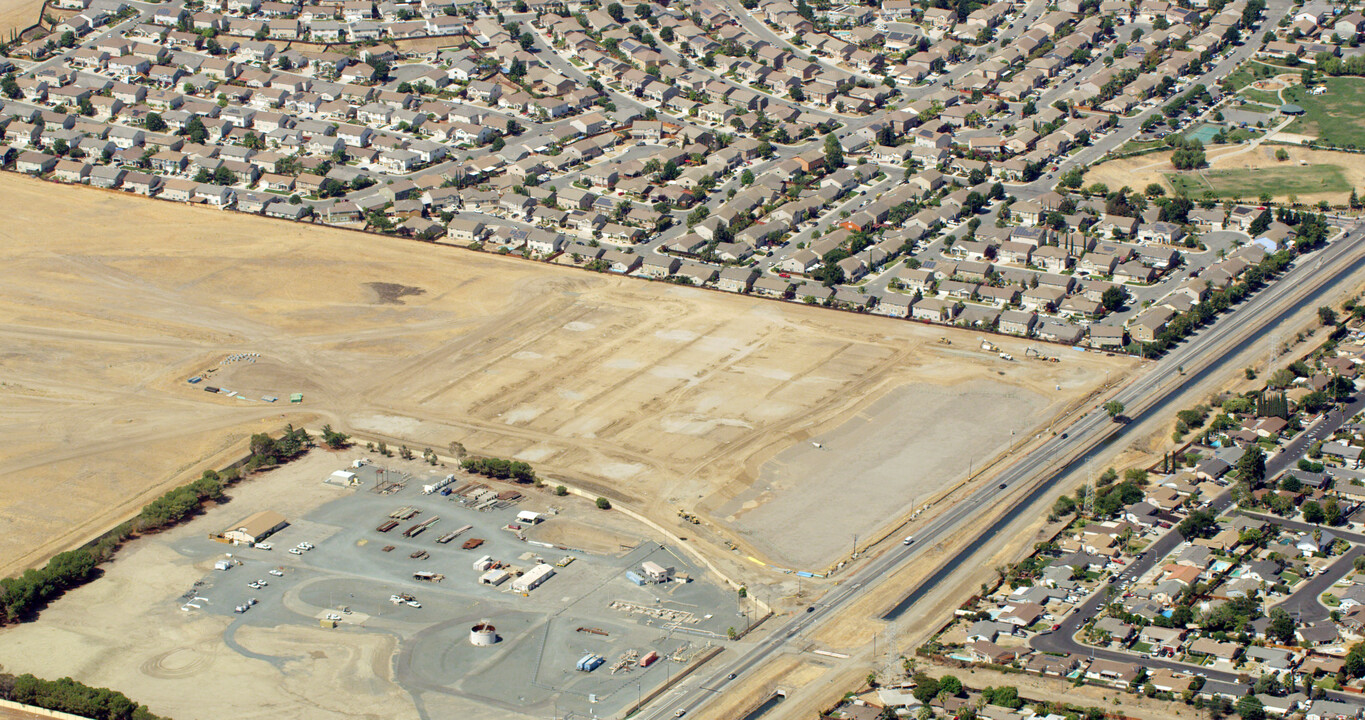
658,396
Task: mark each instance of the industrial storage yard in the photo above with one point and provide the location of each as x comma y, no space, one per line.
659,396
178,624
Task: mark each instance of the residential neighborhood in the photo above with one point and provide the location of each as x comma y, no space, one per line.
805,331
893,161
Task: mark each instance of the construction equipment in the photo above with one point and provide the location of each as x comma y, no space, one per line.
689,517
420,555
944,341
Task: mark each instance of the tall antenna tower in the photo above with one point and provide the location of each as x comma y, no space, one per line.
1276,340
1090,499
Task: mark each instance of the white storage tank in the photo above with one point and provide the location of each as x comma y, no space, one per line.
483,634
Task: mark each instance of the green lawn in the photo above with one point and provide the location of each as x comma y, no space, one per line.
1337,116
1249,184
1243,134
1135,146
1142,647
1256,108
1263,97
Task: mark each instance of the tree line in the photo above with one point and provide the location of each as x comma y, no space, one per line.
25,594
499,468
68,696
1219,300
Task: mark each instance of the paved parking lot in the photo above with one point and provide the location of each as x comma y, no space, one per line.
349,576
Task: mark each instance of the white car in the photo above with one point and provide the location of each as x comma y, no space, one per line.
277,573
262,583
253,586
333,616
395,599
414,603
295,551
264,546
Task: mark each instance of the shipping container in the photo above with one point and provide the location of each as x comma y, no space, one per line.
632,576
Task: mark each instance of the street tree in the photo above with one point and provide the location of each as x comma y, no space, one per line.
1114,408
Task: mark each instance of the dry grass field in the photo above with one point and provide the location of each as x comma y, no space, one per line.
657,395
18,14
1310,175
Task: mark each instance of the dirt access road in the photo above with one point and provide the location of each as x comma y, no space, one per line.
656,395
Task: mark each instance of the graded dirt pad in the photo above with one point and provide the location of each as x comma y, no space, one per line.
652,394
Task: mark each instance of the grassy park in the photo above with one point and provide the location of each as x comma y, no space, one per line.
1251,182
1337,117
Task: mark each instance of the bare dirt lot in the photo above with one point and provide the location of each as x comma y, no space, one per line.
655,395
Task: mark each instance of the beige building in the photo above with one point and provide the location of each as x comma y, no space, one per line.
255,528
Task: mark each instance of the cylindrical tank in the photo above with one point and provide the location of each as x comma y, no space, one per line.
483,635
